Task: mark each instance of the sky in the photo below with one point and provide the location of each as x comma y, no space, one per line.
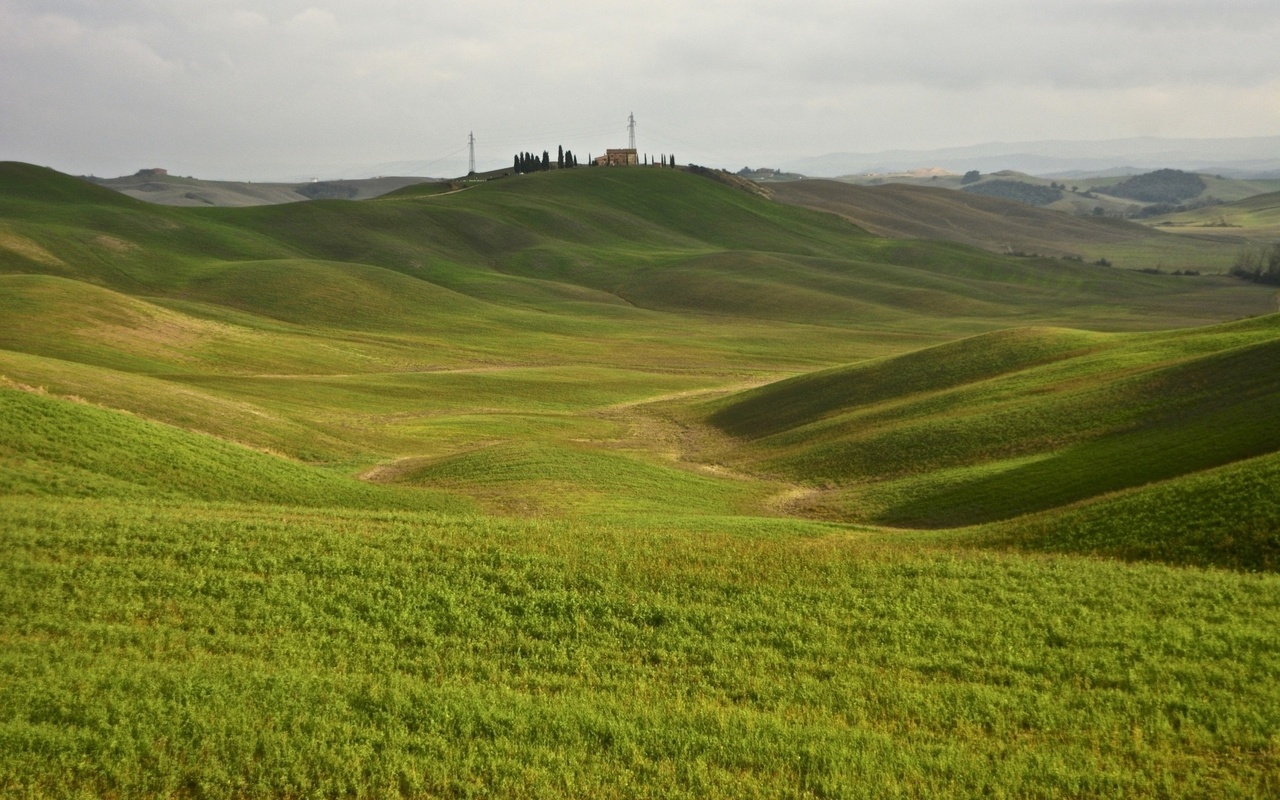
284,89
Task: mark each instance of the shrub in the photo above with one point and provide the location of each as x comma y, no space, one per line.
1259,263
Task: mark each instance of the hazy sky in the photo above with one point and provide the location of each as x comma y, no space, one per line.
275,88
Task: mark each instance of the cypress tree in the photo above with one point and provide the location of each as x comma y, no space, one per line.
560,157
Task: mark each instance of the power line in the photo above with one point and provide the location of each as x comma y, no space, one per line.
523,138
423,165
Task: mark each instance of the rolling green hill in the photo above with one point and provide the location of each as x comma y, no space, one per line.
1252,219
345,326
625,482
1224,516
924,212
1007,424
54,447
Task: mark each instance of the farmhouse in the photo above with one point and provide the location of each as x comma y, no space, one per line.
622,157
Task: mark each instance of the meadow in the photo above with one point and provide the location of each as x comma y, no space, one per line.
620,483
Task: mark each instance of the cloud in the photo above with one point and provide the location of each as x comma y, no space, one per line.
314,21
221,83
247,20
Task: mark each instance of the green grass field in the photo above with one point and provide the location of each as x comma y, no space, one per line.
926,211
1252,219
621,483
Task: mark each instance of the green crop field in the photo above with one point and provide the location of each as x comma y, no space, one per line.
623,483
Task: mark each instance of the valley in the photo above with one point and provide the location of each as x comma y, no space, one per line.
622,481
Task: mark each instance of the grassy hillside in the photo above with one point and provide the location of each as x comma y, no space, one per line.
1002,226
418,496
1002,425
1224,516
53,447
1206,246
1256,218
364,332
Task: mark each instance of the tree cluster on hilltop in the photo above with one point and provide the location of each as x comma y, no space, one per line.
1162,186
531,162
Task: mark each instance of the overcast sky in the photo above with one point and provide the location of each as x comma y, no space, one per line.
279,88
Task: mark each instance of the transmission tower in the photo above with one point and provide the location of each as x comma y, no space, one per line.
471,159
631,131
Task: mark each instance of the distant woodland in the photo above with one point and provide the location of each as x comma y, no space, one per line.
1028,193
1161,186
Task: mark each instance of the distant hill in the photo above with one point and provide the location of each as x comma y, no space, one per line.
1255,218
992,223
1018,191
1238,157
154,186
1161,186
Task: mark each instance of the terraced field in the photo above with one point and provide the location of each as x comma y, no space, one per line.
620,482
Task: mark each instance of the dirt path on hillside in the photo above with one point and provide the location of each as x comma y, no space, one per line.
691,444
392,470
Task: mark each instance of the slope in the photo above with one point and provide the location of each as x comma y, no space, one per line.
1227,516
601,242
1255,218
664,240
185,616
54,447
493,328
922,212
1006,424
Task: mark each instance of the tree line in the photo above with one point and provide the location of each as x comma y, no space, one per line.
531,162
524,163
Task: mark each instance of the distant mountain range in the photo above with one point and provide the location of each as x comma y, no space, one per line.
157,186
1257,157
